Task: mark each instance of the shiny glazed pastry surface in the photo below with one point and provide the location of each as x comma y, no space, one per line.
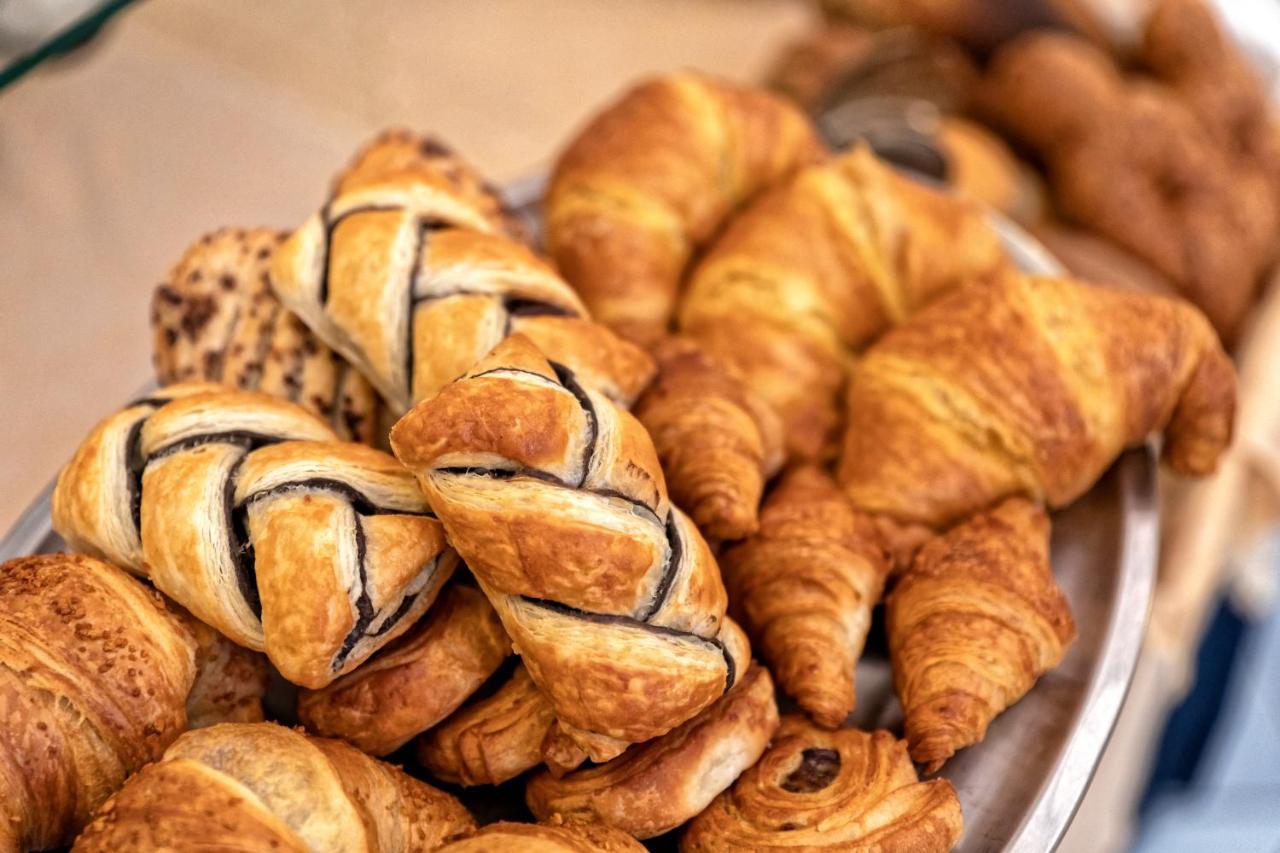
507,837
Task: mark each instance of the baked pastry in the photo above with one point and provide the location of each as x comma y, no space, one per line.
215,319
492,738
259,786
417,681
804,587
972,624
816,268
1029,386
508,837
411,274
94,677
818,790
554,498
652,178
716,440
656,786
230,680
250,514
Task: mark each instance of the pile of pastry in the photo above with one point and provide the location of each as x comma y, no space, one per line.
578,523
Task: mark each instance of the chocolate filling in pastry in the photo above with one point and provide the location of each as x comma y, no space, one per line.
818,769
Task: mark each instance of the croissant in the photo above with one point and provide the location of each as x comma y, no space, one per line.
507,837
230,680
412,276
818,790
260,786
554,498
1029,386
651,179
715,439
804,588
815,269
656,786
972,624
491,739
414,683
246,510
215,319
94,676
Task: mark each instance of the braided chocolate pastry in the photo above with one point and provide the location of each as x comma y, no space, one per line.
656,786
417,681
216,320
265,787
549,837
246,510
411,275
652,178
819,790
554,497
95,672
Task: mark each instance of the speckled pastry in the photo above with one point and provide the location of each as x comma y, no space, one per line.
554,497
817,790
95,672
656,786
410,274
260,786
508,837
490,739
247,511
215,319
230,680
417,681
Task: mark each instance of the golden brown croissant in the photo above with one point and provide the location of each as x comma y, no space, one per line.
554,497
247,511
417,681
491,739
656,786
715,439
230,680
804,588
817,790
260,786
410,273
550,837
215,319
816,268
972,624
652,177
1029,386
94,677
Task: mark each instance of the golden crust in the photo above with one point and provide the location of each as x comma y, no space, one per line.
550,837
262,786
817,790
651,178
804,588
972,624
554,497
414,683
230,680
94,677
1029,386
490,740
656,786
819,266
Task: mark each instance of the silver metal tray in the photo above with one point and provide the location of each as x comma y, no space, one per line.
1020,788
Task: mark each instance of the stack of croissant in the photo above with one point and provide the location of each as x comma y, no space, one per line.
586,520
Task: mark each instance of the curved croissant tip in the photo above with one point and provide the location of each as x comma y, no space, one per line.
725,517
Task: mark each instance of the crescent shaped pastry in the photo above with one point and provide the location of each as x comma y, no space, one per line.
95,672
1029,386
816,790
815,269
508,837
260,786
656,786
411,275
252,516
215,319
804,588
972,624
652,177
415,682
554,497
